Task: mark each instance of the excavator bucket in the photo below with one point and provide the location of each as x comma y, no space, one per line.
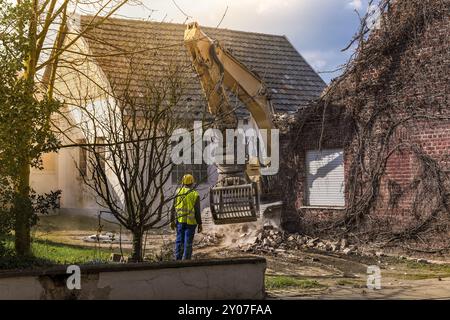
234,204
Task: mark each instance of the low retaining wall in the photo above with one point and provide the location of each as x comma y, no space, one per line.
236,278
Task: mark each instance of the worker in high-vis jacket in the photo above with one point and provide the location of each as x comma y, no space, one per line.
186,217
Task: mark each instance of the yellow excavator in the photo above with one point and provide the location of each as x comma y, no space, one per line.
235,197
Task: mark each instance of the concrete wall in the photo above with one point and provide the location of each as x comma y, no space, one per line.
238,278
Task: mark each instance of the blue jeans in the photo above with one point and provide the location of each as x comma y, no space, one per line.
185,238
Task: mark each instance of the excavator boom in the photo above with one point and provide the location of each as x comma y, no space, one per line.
235,198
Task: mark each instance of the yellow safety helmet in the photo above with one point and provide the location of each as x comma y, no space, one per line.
187,179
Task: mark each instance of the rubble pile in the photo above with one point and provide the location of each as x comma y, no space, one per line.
271,240
108,237
206,240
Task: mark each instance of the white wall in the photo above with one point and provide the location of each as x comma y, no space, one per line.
89,87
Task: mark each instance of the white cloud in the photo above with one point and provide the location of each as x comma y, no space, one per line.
315,59
320,60
267,6
355,4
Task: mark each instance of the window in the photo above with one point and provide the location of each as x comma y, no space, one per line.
100,153
199,171
325,177
82,158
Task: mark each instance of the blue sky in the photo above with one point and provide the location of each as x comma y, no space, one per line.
319,29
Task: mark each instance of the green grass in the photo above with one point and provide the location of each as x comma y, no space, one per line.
47,253
284,282
429,267
422,276
66,254
412,270
346,282
420,271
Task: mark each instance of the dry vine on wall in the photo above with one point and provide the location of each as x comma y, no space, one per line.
397,81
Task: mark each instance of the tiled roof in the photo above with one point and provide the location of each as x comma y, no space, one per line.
290,79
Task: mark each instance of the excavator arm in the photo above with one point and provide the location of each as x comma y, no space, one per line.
235,197
218,70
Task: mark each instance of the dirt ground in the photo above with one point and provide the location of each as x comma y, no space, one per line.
345,277
332,275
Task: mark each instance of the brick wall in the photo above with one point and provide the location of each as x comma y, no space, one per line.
395,199
420,79
293,172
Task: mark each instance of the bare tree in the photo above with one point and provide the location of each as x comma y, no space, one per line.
35,32
128,152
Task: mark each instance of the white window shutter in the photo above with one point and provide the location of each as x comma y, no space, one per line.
325,177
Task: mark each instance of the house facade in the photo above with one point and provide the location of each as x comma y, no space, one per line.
101,59
377,146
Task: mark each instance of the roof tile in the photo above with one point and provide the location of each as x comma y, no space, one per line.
287,75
